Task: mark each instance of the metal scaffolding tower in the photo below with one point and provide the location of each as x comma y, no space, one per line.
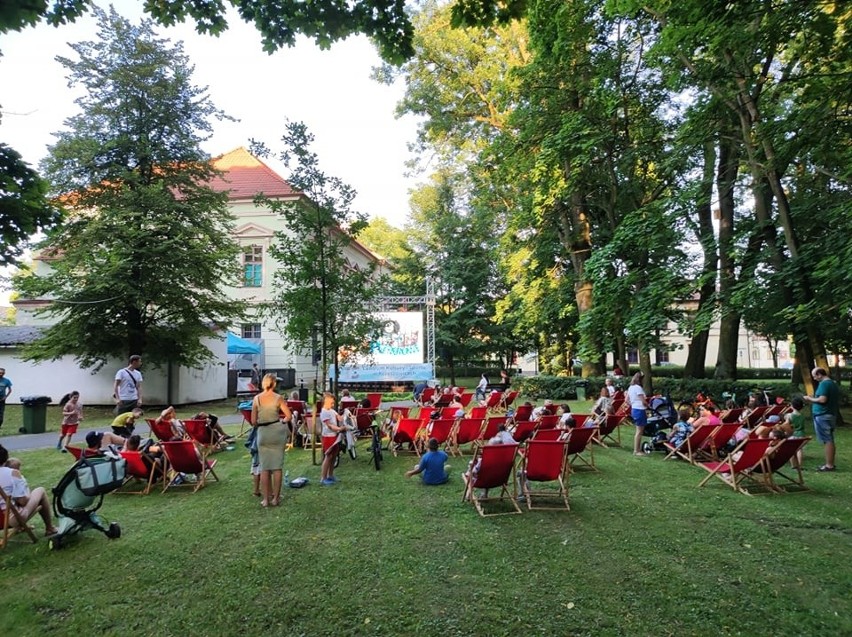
392,303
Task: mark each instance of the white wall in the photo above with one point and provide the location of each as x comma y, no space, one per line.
56,378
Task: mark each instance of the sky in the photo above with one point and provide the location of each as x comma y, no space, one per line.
358,138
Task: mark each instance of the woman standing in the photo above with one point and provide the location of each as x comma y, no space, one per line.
638,413
72,414
272,437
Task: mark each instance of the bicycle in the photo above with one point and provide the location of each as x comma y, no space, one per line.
376,446
346,439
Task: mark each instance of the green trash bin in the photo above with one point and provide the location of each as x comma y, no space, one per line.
35,413
580,387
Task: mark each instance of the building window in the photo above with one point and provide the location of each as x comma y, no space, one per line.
662,356
253,266
633,356
251,330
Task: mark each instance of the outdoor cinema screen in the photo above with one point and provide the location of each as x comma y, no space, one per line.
401,340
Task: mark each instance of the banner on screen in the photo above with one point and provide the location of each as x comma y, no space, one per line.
401,340
386,373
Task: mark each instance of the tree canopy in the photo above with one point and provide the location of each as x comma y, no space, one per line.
141,263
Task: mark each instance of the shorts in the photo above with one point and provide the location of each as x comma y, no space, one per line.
639,417
67,430
824,428
328,444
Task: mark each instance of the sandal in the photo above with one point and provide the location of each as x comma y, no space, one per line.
825,467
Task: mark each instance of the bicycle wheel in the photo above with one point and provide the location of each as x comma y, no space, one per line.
352,452
377,454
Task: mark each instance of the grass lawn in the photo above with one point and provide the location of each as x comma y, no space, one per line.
642,552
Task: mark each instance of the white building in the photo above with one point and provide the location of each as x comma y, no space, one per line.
244,177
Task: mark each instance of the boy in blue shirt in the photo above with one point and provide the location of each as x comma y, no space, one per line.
431,465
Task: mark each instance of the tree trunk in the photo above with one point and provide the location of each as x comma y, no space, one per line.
697,358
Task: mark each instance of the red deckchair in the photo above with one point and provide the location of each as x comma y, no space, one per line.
76,452
162,430
478,412
491,426
427,395
581,420
407,432
375,401
449,412
608,426
718,439
139,472
508,398
580,441
545,461
550,434
778,459
692,444
494,400
203,437
440,429
524,429
425,413
522,413
548,421
183,458
364,419
467,430
493,468
13,522
735,469
245,425
465,399
731,415
755,416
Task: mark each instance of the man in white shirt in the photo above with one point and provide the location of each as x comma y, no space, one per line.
127,389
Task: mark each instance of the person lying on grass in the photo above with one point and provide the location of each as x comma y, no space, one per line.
431,465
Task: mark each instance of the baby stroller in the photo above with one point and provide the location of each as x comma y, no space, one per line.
662,416
80,494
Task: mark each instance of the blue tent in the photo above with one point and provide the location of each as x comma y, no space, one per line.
237,345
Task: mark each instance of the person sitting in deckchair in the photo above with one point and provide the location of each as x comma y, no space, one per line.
211,421
98,443
169,417
681,429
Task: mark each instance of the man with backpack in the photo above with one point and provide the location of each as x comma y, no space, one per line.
127,390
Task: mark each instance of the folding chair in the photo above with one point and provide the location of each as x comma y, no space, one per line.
550,435
183,458
427,395
692,444
440,430
545,461
375,401
478,412
245,425
137,471
162,430
465,399
76,452
10,514
348,403
709,451
579,441
407,432
467,430
778,459
755,416
493,468
493,402
425,413
364,419
735,469
548,421
731,415
443,400
202,436
491,426
522,413
607,426
449,412
508,399
582,420
524,430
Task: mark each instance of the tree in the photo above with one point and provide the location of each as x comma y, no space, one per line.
321,293
24,208
326,21
141,263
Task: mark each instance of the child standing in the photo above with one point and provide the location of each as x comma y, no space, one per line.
72,414
331,427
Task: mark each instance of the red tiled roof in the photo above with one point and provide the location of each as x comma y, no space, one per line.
246,176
